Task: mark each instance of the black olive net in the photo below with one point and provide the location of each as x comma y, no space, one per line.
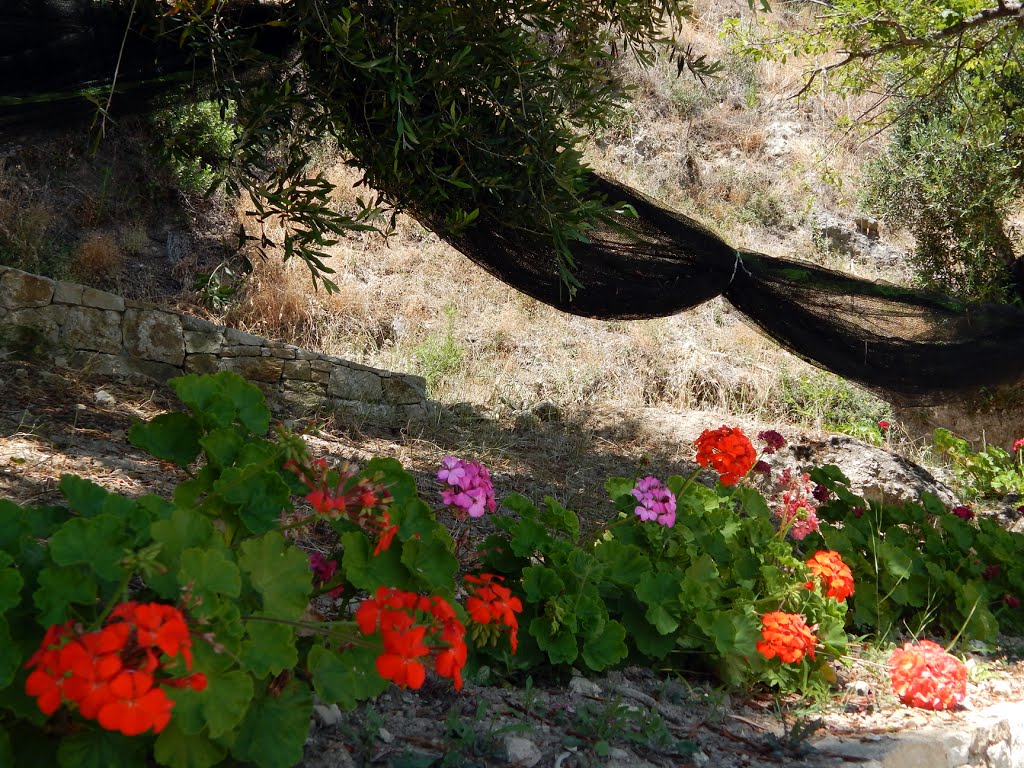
911,345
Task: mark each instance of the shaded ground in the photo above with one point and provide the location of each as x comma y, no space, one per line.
54,421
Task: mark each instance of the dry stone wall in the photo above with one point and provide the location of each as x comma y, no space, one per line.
100,332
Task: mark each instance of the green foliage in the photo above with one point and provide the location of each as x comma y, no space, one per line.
217,551
459,112
440,355
954,192
950,71
991,472
195,142
918,567
835,404
687,596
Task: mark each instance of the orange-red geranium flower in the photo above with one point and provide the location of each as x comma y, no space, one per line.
728,450
787,636
405,621
135,705
399,662
924,675
835,576
492,602
113,674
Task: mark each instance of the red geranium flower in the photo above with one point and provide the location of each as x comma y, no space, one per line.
924,675
728,450
835,575
787,636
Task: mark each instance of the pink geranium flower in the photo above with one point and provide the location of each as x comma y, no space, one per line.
656,502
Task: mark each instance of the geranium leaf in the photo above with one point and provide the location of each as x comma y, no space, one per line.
10,659
625,563
178,749
365,571
540,583
59,589
219,708
101,749
11,583
173,437
431,563
558,518
279,572
261,495
97,541
273,733
345,678
268,648
647,639
83,496
659,592
608,648
185,528
222,446
210,573
560,645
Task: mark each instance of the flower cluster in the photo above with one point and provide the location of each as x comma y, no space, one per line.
405,621
323,571
964,513
656,502
335,494
1018,445
728,450
773,441
470,490
924,675
492,608
787,636
796,504
114,675
835,576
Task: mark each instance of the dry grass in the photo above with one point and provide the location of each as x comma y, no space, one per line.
413,304
98,256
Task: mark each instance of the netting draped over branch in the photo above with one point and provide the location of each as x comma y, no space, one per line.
913,345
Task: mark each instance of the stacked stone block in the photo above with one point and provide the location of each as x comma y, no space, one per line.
99,332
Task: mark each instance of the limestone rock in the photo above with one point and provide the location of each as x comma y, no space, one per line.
102,300
874,473
154,335
521,752
20,289
266,369
33,328
98,330
349,384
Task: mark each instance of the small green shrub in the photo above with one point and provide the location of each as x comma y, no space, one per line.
835,404
440,355
954,196
195,142
991,472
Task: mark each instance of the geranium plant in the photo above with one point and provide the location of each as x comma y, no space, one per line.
181,628
683,576
922,565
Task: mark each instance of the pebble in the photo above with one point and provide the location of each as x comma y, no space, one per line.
329,715
521,752
580,686
104,398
